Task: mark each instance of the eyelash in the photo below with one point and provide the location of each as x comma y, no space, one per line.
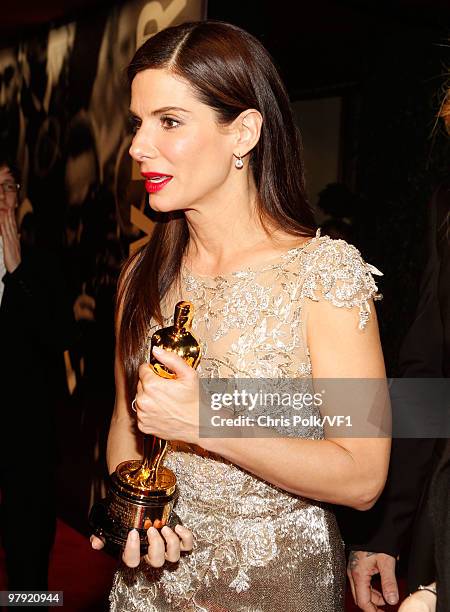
136,123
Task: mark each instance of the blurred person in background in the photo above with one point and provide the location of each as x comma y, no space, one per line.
35,327
414,508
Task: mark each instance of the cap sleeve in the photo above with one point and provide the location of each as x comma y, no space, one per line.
335,271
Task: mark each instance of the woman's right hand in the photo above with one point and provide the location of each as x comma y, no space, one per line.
160,549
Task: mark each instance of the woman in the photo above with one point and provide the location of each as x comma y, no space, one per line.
216,142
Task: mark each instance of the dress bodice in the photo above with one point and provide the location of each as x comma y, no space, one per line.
250,322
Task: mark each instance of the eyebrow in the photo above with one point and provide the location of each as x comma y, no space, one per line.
164,109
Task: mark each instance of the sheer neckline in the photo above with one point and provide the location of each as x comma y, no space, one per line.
258,267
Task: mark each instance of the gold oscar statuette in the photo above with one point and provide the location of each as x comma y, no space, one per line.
142,493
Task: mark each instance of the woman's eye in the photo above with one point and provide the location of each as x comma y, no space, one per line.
135,124
168,123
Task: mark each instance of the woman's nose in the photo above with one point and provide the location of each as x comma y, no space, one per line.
142,148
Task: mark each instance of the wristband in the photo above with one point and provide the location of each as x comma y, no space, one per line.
431,589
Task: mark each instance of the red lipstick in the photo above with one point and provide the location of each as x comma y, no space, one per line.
155,181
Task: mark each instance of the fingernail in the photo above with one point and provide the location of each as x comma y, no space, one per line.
158,349
134,535
392,598
152,531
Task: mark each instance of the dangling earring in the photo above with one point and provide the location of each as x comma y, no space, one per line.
239,163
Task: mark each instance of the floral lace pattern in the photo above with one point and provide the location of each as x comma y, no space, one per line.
248,534
337,271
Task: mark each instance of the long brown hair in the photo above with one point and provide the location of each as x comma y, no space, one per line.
230,71
445,114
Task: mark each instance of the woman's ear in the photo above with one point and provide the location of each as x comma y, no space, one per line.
247,127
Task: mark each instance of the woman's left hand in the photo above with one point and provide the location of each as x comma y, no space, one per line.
169,408
162,547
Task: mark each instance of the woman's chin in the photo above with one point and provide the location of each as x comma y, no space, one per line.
163,207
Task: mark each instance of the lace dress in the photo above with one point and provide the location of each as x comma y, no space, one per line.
256,547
